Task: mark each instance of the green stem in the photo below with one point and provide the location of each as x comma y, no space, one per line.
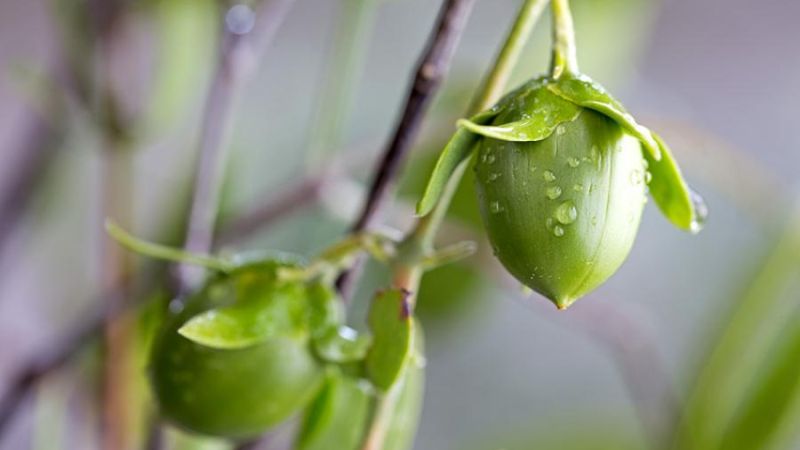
565,57
163,252
493,87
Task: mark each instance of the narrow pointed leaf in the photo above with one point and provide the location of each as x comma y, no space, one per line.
548,113
776,392
668,188
585,92
267,312
392,328
457,150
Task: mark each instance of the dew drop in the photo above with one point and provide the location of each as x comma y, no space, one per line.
566,212
549,176
490,159
553,192
560,130
594,220
558,231
577,187
533,169
573,162
648,177
493,177
549,223
700,211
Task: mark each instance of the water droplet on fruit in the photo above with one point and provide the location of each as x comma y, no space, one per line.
495,207
566,212
553,192
558,231
636,177
594,220
573,162
533,169
577,187
490,158
648,177
493,177
549,176
560,130
549,223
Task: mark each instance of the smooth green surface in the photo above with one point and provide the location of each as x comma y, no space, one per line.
562,213
268,310
392,328
586,92
338,416
669,190
230,393
544,111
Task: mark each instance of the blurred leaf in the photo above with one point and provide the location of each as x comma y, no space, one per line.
392,328
457,150
337,417
776,390
737,361
262,310
187,32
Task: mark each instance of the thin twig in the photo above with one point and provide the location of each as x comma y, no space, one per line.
246,34
36,152
55,357
430,71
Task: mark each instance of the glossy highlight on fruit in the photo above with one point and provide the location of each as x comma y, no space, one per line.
238,392
562,176
562,213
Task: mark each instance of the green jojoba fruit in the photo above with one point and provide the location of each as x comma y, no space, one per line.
238,358
562,174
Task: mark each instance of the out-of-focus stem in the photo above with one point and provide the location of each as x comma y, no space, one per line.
429,74
345,64
490,92
245,35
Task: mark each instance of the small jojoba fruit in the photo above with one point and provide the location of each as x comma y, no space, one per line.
562,174
237,359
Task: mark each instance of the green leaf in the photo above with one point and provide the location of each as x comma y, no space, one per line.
392,328
669,190
264,311
341,345
776,391
337,416
585,92
457,150
547,112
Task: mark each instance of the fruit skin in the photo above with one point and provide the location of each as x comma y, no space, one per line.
235,394
562,213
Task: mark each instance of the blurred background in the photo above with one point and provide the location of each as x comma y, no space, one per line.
695,340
